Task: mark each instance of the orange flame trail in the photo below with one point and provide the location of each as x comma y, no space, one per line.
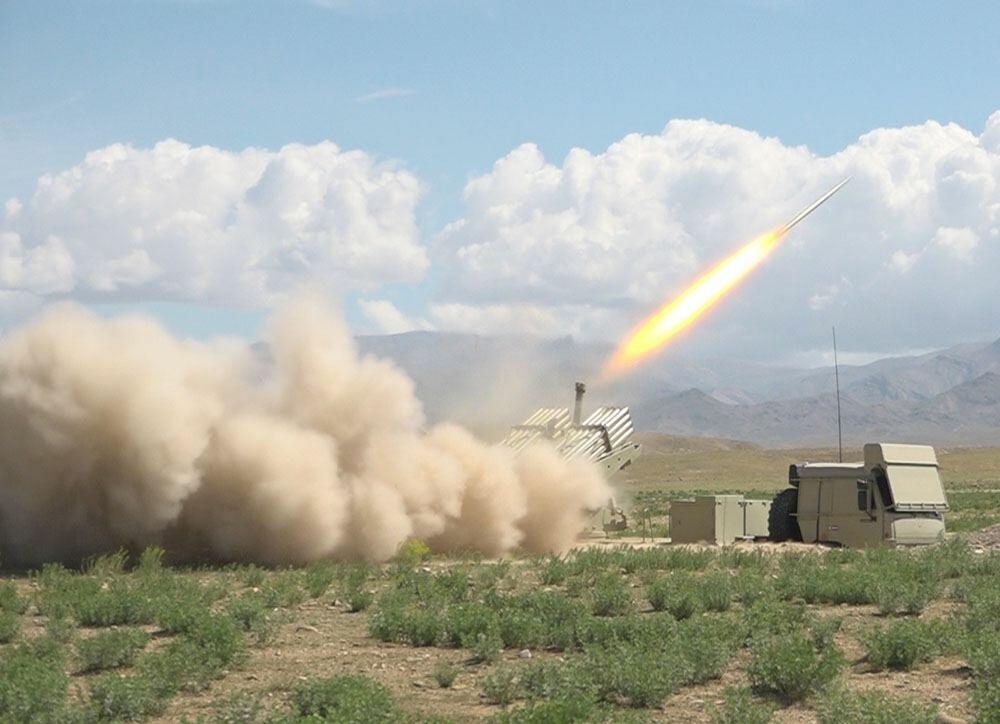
702,295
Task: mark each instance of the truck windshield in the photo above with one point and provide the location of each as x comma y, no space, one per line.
916,487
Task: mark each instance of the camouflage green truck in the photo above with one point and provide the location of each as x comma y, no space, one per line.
894,497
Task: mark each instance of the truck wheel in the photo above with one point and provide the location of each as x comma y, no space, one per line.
781,523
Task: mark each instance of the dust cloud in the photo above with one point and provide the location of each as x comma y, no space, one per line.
115,433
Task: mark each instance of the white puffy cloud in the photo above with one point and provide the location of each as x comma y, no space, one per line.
181,223
387,318
497,319
903,257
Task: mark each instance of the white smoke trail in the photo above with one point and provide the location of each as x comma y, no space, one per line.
114,433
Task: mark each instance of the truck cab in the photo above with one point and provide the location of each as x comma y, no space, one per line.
894,496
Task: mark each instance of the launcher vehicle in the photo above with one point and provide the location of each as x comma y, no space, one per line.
895,496
603,438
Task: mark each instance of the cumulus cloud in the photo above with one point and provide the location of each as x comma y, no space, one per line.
598,241
387,318
181,223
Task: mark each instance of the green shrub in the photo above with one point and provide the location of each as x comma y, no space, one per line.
901,645
822,629
740,707
445,674
982,604
413,551
181,611
387,621
986,700
556,680
610,596
60,630
633,676
502,686
10,601
465,621
110,649
908,591
196,658
151,561
345,698
814,579
702,647
790,666
546,712
32,682
218,640
422,627
359,599
490,576
485,647
555,571
283,590
716,592
249,612
108,565
354,591
538,619
239,708
318,577
676,594
767,617
870,707
117,605
253,576
982,651
10,626
123,698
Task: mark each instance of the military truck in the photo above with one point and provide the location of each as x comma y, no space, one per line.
894,497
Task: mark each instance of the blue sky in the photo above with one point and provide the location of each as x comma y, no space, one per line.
448,88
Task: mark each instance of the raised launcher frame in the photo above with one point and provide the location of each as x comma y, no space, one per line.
602,438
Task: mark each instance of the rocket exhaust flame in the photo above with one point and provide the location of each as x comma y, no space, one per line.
680,313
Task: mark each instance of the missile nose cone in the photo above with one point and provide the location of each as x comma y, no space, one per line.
784,229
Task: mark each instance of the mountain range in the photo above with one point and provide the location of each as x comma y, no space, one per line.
946,397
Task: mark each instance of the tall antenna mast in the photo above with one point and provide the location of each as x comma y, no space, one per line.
836,376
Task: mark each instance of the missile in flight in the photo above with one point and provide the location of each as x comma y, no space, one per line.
784,229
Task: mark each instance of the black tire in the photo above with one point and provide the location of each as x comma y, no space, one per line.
781,522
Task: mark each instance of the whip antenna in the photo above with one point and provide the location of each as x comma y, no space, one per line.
836,377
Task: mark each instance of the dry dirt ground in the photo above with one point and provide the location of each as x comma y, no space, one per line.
320,637
324,639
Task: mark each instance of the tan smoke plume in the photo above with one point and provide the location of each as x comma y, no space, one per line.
114,433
